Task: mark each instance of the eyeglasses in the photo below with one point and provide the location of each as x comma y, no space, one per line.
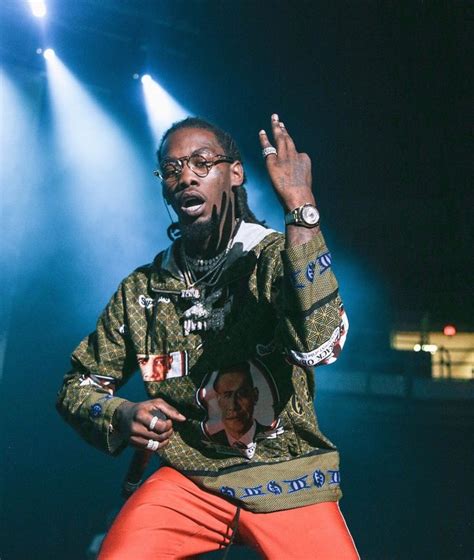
171,170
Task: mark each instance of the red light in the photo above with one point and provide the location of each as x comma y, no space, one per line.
449,330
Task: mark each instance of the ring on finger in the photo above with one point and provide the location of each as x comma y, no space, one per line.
152,445
269,150
153,422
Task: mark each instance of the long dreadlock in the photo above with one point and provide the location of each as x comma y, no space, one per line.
231,150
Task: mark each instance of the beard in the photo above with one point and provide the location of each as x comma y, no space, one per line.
195,233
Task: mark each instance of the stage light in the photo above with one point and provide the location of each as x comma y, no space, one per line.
431,348
105,182
49,54
38,8
162,109
417,347
449,330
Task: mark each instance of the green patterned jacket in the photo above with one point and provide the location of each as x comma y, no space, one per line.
276,310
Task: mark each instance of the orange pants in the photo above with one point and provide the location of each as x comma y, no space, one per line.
169,517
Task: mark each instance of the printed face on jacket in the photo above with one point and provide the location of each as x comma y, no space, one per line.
240,402
236,398
158,367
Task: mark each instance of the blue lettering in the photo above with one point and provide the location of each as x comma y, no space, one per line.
294,279
228,491
255,491
310,271
324,262
274,487
335,477
319,478
297,484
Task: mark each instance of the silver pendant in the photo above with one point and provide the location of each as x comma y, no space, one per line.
190,326
202,317
197,311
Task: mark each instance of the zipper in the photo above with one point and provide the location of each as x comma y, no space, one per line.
160,291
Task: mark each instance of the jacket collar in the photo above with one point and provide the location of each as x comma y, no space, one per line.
169,264
247,237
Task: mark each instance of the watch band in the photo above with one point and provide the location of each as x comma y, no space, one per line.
290,218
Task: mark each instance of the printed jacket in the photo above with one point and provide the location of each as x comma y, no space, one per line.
277,310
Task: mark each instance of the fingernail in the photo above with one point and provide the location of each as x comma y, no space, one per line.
275,117
262,132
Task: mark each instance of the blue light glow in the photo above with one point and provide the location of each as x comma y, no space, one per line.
38,8
162,109
49,54
106,187
20,178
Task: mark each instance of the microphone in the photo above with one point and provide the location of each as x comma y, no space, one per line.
138,465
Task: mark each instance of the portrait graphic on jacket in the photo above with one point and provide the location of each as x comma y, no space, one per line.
240,403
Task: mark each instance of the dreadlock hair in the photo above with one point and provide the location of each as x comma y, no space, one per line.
242,210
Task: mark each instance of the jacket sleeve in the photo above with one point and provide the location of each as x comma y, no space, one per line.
312,322
101,363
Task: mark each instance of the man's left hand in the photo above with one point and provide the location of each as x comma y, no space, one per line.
289,170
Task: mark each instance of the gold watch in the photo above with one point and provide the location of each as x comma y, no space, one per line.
306,216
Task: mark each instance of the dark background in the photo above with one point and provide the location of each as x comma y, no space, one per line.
378,94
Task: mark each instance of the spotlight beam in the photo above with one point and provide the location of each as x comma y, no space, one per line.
162,109
38,8
103,177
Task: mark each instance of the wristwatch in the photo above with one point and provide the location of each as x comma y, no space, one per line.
306,216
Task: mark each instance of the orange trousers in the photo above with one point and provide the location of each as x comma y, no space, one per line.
169,517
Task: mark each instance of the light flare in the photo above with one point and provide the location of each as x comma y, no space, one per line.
38,8
162,109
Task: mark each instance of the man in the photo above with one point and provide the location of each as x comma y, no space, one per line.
237,397
228,291
157,369
161,366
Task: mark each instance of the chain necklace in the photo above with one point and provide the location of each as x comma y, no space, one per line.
202,316
203,265
212,268
190,274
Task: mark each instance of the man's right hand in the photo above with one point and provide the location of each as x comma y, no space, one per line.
134,421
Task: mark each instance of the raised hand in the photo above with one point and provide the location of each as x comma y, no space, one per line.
289,170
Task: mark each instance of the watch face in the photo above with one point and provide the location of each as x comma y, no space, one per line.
310,215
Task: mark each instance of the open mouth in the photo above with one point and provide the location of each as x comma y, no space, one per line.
191,204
